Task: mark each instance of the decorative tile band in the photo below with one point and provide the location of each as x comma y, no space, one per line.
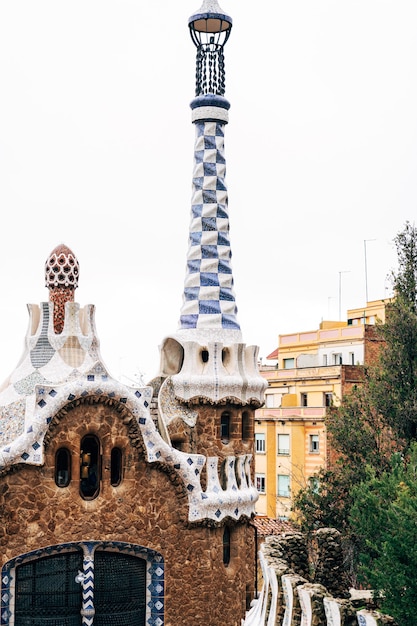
208,114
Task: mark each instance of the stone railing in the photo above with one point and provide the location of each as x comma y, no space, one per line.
292,596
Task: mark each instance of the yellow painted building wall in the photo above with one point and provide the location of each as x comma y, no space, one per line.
286,413
300,464
270,470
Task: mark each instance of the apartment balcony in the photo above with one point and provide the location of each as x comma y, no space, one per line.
353,373
292,413
321,336
302,373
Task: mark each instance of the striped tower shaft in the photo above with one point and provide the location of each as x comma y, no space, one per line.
87,609
209,300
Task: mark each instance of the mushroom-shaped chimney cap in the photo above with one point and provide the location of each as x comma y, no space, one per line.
61,269
210,18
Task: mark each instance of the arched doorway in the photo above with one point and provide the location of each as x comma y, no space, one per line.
101,583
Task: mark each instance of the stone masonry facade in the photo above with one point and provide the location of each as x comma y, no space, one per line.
149,508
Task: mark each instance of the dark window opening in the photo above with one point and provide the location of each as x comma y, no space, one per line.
328,399
314,444
226,545
204,356
62,467
225,356
246,426
90,467
225,426
115,467
223,474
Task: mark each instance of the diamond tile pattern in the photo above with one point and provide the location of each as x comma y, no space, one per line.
209,299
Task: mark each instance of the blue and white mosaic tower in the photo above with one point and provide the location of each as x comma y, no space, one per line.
206,358
209,301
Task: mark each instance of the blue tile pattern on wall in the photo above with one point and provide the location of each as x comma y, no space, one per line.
209,299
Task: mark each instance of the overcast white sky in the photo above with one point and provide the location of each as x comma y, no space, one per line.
96,151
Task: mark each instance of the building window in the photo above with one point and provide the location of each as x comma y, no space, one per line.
303,399
115,467
283,485
324,359
247,429
289,364
283,444
352,358
270,400
260,483
62,467
226,545
328,399
225,426
90,467
337,358
314,484
314,444
260,447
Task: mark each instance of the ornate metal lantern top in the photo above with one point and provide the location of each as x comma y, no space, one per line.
210,29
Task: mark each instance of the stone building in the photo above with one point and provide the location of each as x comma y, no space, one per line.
130,506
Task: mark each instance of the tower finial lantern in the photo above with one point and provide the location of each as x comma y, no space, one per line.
210,29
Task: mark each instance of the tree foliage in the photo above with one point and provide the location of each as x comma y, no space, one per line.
395,388
383,517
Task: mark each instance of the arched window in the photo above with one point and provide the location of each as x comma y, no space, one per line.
62,467
246,426
226,545
225,426
225,356
115,467
90,467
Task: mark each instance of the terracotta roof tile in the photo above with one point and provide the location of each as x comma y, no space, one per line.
273,355
269,526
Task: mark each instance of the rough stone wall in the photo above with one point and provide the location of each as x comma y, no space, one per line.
149,508
289,549
329,570
318,561
287,554
208,437
315,566
316,594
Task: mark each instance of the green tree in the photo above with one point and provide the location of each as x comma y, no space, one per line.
394,388
383,517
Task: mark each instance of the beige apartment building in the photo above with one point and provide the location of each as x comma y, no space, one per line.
309,372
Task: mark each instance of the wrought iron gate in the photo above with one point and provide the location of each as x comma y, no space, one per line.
119,589
46,593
